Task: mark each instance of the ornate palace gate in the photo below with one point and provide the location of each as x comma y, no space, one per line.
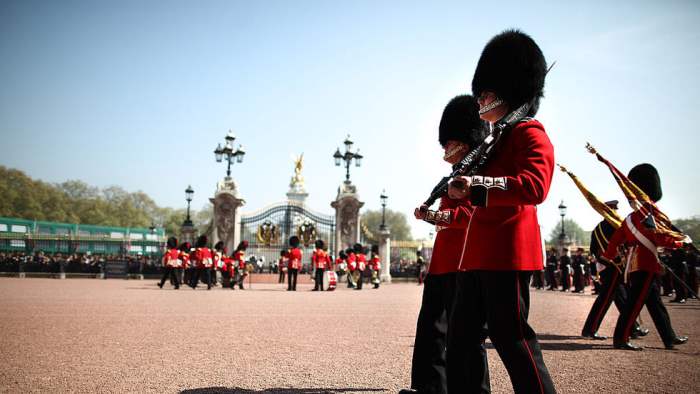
268,230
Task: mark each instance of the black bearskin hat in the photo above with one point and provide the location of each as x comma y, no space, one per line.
461,122
513,67
375,249
284,252
294,241
319,244
647,178
357,248
172,243
219,246
243,245
201,241
349,250
185,247
342,254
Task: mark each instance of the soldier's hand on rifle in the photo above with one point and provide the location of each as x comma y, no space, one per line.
459,187
420,212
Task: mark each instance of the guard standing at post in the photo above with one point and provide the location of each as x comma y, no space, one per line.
295,256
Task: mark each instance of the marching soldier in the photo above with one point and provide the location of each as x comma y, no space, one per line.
352,267
203,261
239,265
321,262
460,130
579,263
375,266
565,269
680,268
219,262
361,265
503,244
640,234
184,256
552,269
171,262
295,255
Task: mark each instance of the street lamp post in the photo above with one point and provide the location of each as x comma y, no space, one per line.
562,234
383,198
188,196
229,153
347,157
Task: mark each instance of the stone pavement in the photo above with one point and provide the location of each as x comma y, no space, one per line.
89,335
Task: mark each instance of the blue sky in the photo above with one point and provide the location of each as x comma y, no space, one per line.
138,94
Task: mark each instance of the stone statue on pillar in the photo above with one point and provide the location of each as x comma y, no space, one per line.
347,215
226,220
297,191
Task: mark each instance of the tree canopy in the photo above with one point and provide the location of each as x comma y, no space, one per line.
576,234
396,222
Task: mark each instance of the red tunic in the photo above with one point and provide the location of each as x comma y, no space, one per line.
185,258
502,231
239,259
374,264
320,259
172,259
640,257
361,261
449,241
282,264
203,257
352,262
295,256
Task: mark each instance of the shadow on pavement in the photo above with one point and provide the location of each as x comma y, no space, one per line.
552,337
236,390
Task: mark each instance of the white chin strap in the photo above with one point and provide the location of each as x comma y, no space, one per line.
495,103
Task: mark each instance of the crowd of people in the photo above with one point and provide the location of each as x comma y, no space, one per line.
74,263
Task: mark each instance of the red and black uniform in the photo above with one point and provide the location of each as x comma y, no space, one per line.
502,248
429,368
295,256
375,265
361,265
321,262
352,267
240,271
171,262
203,262
640,237
282,268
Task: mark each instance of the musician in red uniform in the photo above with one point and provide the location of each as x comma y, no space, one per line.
460,130
239,265
295,255
203,261
375,265
503,245
321,262
171,262
341,264
352,267
361,265
184,256
642,238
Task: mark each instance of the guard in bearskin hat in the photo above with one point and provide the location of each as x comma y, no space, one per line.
321,262
171,262
612,289
375,265
460,130
352,267
203,262
240,271
361,260
294,264
642,238
503,245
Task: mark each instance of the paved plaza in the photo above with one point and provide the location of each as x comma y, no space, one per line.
89,335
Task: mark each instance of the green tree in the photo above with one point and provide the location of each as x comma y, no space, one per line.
396,222
691,227
576,234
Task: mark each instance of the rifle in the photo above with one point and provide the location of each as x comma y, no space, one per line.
478,156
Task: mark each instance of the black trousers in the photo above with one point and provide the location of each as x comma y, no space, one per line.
681,271
565,278
196,275
501,301
644,290
578,278
538,279
172,273
360,279
318,279
551,277
611,290
281,277
292,279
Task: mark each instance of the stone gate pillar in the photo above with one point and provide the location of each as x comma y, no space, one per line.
226,222
385,255
347,216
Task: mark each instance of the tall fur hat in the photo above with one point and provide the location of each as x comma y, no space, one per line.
201,241
513,67
294,241
461,122
647,178
357,248
375,249
349,250
243,245
342,254
219,246
185,247
172,243
319,244
284,252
